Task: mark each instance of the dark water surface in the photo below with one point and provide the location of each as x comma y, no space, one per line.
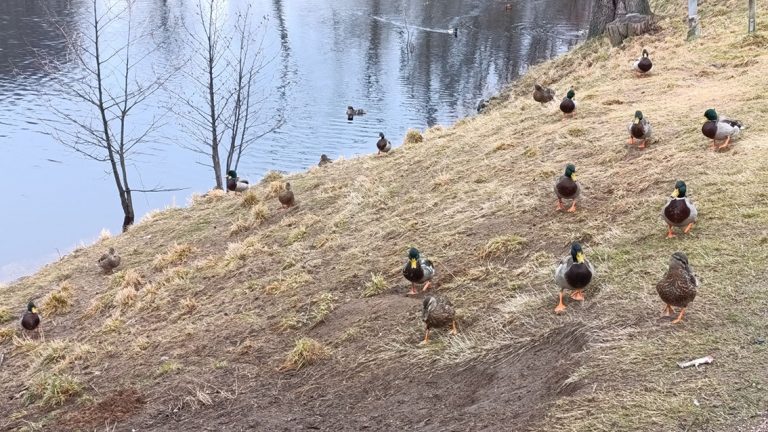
326,55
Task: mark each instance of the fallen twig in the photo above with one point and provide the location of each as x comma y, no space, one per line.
697,362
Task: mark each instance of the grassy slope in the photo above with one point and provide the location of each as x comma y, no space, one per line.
245,289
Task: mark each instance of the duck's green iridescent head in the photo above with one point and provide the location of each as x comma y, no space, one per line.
31,307
638,116
577,253
570,94
680,189
231,174
413,257
710,114
570,171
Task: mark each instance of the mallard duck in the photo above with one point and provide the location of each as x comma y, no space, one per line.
567,188
642,65
481,106
437,312
455,32
383,144
718,129
109,261
568,105
574,273
235,183
679,211
678,286
324,160
542,94
350,113
639,129
286,196
418,270
30,319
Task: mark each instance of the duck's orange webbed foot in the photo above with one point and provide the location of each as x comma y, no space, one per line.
688,228
670,233
667,311
578,295
413,290
679,317
560,308
642,145
453,327
426,286
560,206
572,208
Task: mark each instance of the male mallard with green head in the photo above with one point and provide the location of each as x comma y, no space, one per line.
574,273
235,183
639,129
678,286
542,94
718,129
383,144
30,319
643,65
567,188
418,270
109,261
568,105
679,210
437,312
286,196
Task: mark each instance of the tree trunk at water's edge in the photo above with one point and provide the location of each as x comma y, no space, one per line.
607,12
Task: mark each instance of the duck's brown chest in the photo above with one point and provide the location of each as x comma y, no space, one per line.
677,211
709,129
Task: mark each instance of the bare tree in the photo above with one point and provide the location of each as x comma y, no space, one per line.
108,90
606,11
225,106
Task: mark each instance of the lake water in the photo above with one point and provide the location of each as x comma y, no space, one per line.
325,55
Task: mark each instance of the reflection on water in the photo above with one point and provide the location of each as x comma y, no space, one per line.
327,55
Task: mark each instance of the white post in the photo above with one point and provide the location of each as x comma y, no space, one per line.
693,20
751,27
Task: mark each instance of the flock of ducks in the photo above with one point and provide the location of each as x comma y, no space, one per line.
574,273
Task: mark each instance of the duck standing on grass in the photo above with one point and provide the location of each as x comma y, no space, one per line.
324,160
639,129
286,196
437,312
235,183
574,273
643,65
30,319
418,270
383,144
568,105
678,286
567,188
679,211
109,261
542,94
718,129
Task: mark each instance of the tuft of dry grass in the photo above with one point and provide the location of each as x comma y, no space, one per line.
259,212
274,189
105,234
501,246
58,301
322,307
125,298
52,389
375,286
241,225
250,198
175,255
6,333
5,315
305,352
297,235
168,366
129,278
412,136
271,177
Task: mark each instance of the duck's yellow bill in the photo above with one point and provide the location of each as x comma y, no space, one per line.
413,263
579,257
676,193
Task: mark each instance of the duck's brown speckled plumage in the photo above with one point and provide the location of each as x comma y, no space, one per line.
678,286
109,261
286,197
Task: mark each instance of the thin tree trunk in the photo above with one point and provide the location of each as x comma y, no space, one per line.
215,160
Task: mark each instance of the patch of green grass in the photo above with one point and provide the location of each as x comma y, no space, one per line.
167,367
53,389
322,307
375,286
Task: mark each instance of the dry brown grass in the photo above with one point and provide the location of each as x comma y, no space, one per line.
485,215
305,352
5,315
177,254
58,301
412,136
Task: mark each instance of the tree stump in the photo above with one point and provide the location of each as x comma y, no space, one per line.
628,26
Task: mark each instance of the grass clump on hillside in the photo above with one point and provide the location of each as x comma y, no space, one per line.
5,315
6,334
413,137
501,246
58,301
176,254
375,286
306,351
53,389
